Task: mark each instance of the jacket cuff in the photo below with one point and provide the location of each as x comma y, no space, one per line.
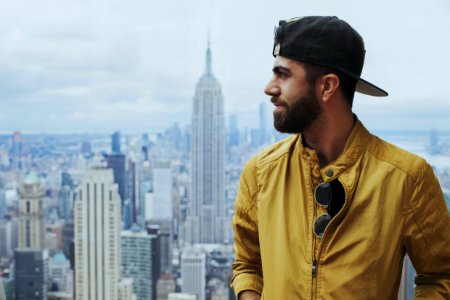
247,282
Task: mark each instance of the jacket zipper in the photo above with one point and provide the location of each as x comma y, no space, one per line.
314,278
315,262
314,268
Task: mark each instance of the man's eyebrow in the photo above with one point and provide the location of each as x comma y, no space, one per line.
280,69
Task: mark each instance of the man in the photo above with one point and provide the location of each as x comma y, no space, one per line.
330,212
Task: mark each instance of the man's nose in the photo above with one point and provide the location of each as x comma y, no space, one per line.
272,89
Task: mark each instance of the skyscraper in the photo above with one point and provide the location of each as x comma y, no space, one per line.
97,236
127,214
68,241
6,249
31,259
116,162
139,250
115,142
86,149
31,214
65,202
67,180
3,206
193,273
9,236
145,187
16,150
162,191
131,188
31,274
205,220
165,234
145,147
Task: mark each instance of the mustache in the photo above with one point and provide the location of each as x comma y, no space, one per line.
278,100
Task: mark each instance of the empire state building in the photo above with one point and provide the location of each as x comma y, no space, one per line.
206,217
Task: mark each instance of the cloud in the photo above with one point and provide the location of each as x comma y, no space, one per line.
71,91
133,65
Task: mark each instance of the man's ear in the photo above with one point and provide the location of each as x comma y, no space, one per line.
327,87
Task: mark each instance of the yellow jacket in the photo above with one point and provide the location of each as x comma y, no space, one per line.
393,204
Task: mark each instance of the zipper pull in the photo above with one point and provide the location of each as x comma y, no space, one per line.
314,267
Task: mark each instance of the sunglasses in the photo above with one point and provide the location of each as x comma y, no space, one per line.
324,194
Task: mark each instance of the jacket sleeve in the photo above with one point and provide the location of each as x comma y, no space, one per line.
427,236
247,270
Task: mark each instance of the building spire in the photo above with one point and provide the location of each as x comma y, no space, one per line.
208,69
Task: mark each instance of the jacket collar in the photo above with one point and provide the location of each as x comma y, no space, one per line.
354,148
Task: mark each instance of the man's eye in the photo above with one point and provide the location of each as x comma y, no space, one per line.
280,73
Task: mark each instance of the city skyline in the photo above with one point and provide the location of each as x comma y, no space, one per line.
63,163
132,66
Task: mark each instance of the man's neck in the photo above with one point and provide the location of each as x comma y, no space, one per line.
328,137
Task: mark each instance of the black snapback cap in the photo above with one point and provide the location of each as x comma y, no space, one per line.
328,42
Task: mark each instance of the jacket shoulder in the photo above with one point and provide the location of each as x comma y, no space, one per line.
401,159
277,150
254,165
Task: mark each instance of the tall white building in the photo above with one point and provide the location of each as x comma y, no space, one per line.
205,221
193,272
97,236
31,214
162,191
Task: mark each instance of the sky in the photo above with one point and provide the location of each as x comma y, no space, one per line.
132,65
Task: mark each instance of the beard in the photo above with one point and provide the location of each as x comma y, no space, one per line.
297,116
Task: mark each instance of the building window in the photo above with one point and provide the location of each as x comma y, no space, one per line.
27,233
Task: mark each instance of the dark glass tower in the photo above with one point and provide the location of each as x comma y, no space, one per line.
31,274
115,142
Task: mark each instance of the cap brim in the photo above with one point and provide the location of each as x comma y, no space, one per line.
367,88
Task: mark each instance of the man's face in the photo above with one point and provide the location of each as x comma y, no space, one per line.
296,104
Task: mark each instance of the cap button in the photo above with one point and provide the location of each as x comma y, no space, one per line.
330,173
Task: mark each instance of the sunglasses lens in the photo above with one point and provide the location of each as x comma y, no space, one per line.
323,194
320,224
